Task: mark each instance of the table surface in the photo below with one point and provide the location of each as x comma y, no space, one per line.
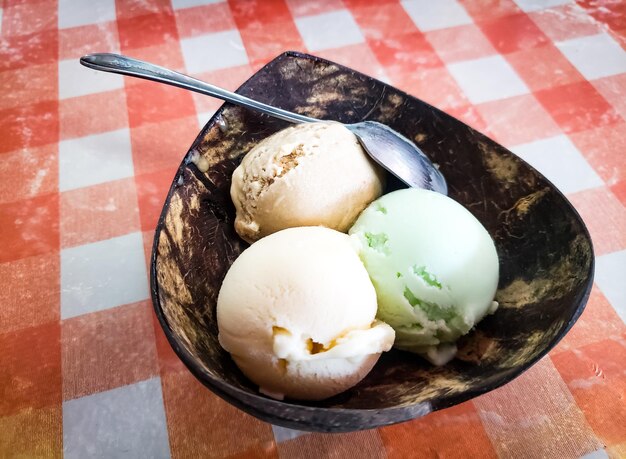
86,159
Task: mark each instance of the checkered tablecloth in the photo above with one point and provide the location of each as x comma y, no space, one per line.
86,159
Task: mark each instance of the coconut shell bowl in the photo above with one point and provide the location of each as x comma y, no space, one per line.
546,255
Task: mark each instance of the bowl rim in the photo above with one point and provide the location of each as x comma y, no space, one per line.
236,396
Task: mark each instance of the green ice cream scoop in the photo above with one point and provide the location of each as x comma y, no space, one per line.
434,267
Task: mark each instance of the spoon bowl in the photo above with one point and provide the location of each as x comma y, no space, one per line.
388,148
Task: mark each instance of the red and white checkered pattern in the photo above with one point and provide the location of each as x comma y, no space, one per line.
86,159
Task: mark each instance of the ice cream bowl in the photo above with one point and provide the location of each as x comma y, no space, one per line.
546,255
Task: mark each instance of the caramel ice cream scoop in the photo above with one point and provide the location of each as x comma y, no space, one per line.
312,174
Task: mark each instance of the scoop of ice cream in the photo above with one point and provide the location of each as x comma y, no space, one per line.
307,175
297,313
434,267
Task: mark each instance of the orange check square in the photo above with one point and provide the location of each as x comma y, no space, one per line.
308,8
98,212
484,10
565,22
209,104
610,13
160,146
29,292
29,227
251,12
361,3
620,37
407,53
168,360
618,451
108,349
470,116
166,54
460,43
266,41
150,102
595,376
28,18
147,237
146,30
334,445
357,57
131,8
93,38
605,218
33,433
434,86
230,78
604,148
93,114
29,85
203,19
266,451
441,434
29,126
613,89
603,360
619,190
25,50
19,2
598,322
379,21
513,33
152,190
31,364
524,417
202,424
543,67
29,172
577,106
518,120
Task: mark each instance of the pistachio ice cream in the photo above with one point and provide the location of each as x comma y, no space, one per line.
433,265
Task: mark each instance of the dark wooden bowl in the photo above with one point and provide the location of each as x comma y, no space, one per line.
546,256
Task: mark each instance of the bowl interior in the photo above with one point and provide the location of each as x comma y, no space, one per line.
546,257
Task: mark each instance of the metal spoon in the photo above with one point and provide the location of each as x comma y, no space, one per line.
391,150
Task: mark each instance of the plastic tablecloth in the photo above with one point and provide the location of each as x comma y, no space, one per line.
86,159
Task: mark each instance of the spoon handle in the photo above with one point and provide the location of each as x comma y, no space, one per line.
124,65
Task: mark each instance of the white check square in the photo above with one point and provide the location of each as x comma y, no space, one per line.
77,80
440,14
74,14
536,5
213,51
125,422
486,79
204,118
610,272
282,434
595,56
95,159
329,30
103,275
549,155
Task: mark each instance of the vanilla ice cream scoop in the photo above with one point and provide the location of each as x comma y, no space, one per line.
306,175
434,267
297,310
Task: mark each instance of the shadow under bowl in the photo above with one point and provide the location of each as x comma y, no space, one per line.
546,255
